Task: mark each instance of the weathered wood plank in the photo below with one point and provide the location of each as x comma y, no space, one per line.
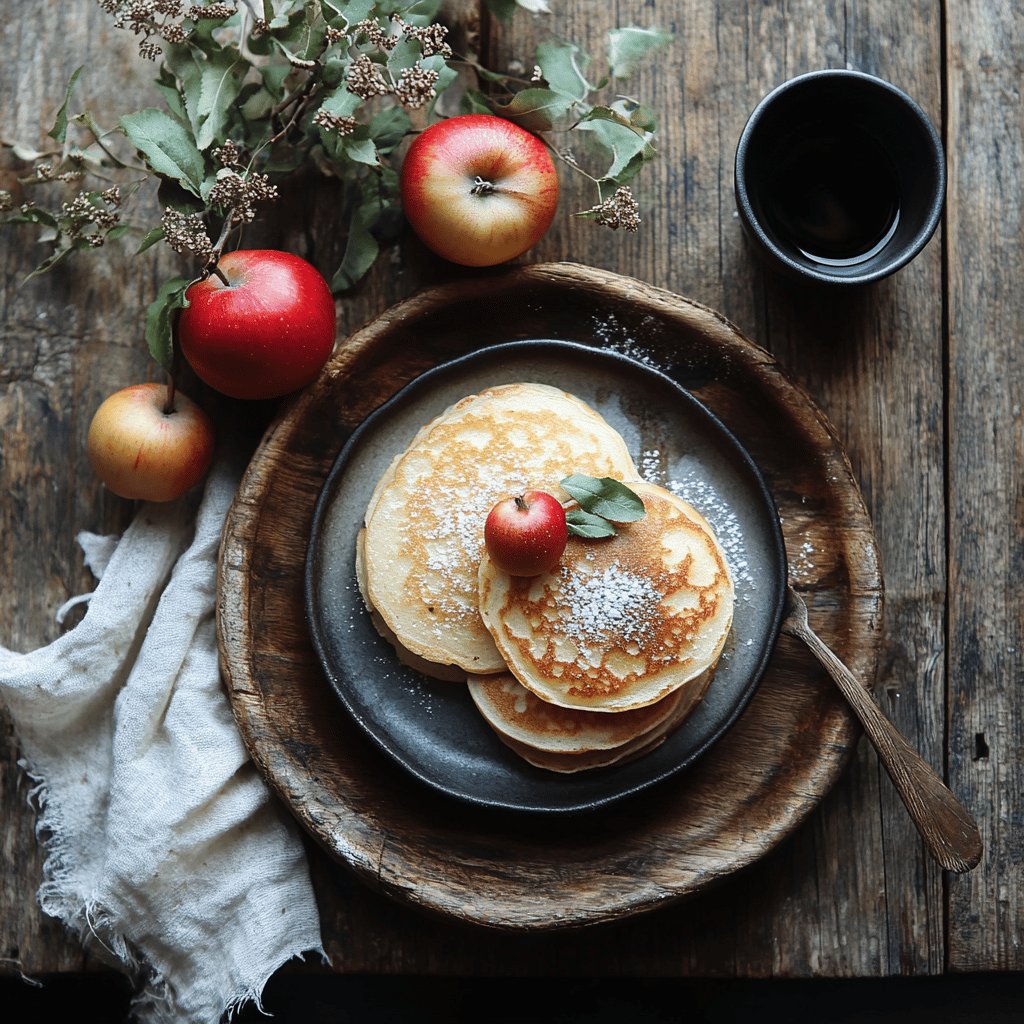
874,360
65,338
986,473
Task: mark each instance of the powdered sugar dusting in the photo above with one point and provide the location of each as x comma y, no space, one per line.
724,521
614,337
601,606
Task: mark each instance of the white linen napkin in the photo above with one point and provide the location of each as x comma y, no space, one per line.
163,845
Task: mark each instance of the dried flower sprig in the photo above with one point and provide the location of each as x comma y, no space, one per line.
255,89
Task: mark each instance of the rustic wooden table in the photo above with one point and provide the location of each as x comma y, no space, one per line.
921,376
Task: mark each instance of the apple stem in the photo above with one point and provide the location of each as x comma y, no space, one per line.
522,504
169,403
220,274
482,187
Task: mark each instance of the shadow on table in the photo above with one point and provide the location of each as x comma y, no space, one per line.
301,998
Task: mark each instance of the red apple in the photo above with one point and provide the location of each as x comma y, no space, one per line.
478,189
265,333
139,450
526,535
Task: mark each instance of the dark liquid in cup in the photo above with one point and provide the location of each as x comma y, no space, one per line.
834,197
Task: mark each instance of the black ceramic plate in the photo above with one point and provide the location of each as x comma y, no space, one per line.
432,728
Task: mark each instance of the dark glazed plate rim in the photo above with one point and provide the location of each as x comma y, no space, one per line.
553,793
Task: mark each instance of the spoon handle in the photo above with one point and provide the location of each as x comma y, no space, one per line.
949,832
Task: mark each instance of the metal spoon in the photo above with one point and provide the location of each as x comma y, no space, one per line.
949,832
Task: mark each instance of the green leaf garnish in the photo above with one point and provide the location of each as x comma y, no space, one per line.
583,524
605,497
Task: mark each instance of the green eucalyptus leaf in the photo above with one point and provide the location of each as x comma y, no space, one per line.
219,85
446,74
629,47
536,110
389,127
420,12
353,11
642,117
361,249
473,101
33,215
303,37
341,101
22,151
151,237
59,130
160,320
601,113
167,145
560,65
172,97
625,148
404,56
604,496
55,258
333,73
584,524
274,76
362,151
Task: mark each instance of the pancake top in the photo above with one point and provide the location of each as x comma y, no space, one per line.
424,523
620,622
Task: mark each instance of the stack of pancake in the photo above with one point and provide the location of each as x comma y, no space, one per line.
590,664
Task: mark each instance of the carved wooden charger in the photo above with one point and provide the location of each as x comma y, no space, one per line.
508,870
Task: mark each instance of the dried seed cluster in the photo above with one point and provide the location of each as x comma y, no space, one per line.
186,232
619,210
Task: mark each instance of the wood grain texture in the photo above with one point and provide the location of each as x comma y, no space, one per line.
850,892
986,473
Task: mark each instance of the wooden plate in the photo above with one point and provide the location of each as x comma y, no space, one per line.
482,865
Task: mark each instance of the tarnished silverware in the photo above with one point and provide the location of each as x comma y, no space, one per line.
947,829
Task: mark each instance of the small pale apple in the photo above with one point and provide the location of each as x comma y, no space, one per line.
526,535
478,189
141,450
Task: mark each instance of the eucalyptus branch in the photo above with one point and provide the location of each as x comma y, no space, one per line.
250,98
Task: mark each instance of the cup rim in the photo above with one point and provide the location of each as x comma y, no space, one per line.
911,249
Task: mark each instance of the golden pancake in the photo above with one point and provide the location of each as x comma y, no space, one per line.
620,622
424,523
682,703
517,713
446,673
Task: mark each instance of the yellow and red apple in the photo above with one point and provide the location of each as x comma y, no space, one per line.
478,189
140,449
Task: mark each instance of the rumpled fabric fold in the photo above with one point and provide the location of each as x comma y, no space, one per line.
163,845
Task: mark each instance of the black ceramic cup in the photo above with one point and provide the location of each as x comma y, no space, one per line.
840,177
